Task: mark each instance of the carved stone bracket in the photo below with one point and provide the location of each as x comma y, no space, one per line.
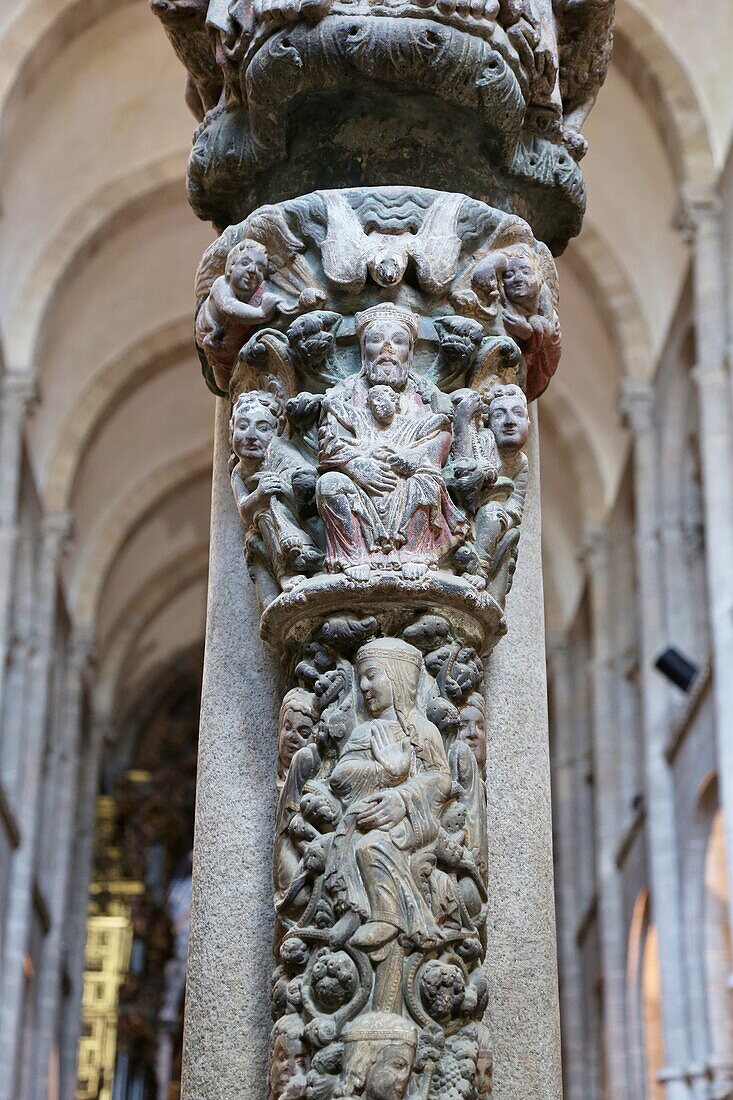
514,79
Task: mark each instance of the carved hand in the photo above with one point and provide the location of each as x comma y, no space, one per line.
372,475
401,464
394,758
381,811
269,484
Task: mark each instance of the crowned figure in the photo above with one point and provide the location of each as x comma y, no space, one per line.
384,438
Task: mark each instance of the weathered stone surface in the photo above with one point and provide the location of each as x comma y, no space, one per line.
480,97
227,995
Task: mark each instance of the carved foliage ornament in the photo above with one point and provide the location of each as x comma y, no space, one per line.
378,348
525,72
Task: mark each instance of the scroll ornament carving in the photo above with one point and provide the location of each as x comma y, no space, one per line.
378,348
526,71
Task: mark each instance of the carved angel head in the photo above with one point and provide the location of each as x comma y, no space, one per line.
246,268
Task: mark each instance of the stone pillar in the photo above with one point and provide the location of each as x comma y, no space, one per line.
606,751
99,733
716,450
16,396
638,407
521,958
53,533
67,791
377,347
565,767
228,1016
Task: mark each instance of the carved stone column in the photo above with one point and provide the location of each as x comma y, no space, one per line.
598,552
377,346
54,532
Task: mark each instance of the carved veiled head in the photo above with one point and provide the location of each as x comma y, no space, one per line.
473,728
508,417
389,673
257,417
387,337
297,718
379,1053
246,268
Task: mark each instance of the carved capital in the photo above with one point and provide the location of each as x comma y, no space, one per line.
505,88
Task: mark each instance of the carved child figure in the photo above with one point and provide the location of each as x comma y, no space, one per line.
237,301
262,486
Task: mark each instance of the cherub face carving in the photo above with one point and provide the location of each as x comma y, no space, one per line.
521,282
387,354
247,270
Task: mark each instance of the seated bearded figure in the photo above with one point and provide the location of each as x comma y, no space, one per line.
383,441
262,470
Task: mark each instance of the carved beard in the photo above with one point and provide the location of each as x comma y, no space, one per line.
387,374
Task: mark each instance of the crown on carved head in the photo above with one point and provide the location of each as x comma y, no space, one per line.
390,649
385,1027
386,311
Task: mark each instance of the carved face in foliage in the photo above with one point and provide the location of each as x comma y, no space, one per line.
387,353
390,1073
473,729
254,424
522,283
508,418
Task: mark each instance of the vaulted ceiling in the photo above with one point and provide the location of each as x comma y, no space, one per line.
98,250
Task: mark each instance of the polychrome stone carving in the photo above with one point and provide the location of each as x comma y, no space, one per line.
379,348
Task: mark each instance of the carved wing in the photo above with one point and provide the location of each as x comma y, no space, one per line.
437,246
345,249
214,260
289,270
549,273
264,364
